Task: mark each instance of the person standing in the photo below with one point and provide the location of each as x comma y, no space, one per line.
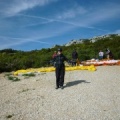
74,57
109,54
60,69
54,54
101,54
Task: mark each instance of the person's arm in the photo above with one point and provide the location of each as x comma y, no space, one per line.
54,59
66,59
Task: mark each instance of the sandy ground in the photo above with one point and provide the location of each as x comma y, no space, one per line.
86,96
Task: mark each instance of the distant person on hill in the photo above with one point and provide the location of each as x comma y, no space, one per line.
60,68
54,54
74,57
109,54
101,54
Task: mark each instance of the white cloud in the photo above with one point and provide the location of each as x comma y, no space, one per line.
36,24
92,16
75,24
39,36
117,31
17,6
72,12
52,20
11,41
102,13
71,18
80,16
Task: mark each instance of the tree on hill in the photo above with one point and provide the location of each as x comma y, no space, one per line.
11,60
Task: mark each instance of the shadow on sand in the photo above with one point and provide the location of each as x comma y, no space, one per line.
76,82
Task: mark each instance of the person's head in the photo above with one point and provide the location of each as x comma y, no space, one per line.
59,50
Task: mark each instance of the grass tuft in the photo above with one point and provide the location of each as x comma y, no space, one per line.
14,79
9,116
29,75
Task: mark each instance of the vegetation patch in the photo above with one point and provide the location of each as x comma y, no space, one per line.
12,60
14,79
24,90
8,74
9,116
11,77
29,75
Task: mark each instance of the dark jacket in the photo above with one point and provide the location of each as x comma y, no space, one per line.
74,55
59,60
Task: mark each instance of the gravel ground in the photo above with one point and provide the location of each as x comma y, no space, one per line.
86,96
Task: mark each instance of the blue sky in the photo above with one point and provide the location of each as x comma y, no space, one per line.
36,24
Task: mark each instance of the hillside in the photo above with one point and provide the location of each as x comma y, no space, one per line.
94,39
11,60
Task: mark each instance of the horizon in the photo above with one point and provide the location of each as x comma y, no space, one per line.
33,25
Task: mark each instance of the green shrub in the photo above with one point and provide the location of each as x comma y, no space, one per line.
14,79
29,75
12,60
9,116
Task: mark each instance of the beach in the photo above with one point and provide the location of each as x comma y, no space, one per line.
87,95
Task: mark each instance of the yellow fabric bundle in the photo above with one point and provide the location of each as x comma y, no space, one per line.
50,69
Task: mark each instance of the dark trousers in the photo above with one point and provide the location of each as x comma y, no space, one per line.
74,62
60,73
